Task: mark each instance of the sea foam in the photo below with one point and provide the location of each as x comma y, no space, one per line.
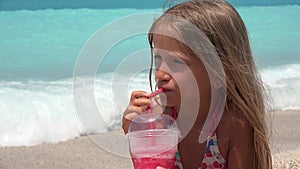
284,85
34,112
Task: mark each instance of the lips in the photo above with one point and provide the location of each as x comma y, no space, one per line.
165,89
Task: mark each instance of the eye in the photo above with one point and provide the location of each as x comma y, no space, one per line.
179,61
157,60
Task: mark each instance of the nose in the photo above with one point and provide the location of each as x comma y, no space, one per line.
162,75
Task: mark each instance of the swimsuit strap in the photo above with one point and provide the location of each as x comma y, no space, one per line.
212,157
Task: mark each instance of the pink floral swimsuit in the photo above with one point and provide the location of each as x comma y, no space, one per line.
212,158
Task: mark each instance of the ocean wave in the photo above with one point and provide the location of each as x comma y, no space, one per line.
284,85
33,112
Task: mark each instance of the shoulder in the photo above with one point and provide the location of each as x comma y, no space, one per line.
240,129
234,133
233,126
241,144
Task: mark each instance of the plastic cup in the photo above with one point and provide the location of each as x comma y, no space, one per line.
153,145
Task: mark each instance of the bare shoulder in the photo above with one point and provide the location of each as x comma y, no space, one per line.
233,133
233,126
241,146
240,128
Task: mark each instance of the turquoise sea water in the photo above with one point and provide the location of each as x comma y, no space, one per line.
38,52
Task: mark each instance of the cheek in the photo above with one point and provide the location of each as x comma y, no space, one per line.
204,86
193,85
187,85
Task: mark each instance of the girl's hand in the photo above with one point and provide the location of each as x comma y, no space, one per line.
160,168
139,103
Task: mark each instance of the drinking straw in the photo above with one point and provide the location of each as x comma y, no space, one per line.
156,92
160,90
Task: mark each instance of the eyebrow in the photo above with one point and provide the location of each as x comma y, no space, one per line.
161,52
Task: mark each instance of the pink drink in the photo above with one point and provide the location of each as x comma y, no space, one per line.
154,145
152,159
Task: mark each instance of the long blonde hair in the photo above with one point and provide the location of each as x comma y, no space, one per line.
226,30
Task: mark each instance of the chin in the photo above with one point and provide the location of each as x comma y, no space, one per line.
172,99
172,103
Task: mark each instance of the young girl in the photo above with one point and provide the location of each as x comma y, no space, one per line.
184,43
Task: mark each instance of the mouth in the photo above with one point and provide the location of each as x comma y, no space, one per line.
165,89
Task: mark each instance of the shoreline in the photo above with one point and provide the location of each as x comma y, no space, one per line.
83,152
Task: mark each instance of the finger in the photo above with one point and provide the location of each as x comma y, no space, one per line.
139,94
130,113
141,102
132,108
130,116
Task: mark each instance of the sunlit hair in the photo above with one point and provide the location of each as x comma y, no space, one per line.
226,30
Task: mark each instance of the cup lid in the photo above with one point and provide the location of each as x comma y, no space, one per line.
153,121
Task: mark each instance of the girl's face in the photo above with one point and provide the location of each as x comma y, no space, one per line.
176,67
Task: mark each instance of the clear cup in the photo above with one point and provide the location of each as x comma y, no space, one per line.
153,140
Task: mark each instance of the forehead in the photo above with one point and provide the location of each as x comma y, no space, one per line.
170,44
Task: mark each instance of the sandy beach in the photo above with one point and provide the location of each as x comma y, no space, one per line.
109,150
